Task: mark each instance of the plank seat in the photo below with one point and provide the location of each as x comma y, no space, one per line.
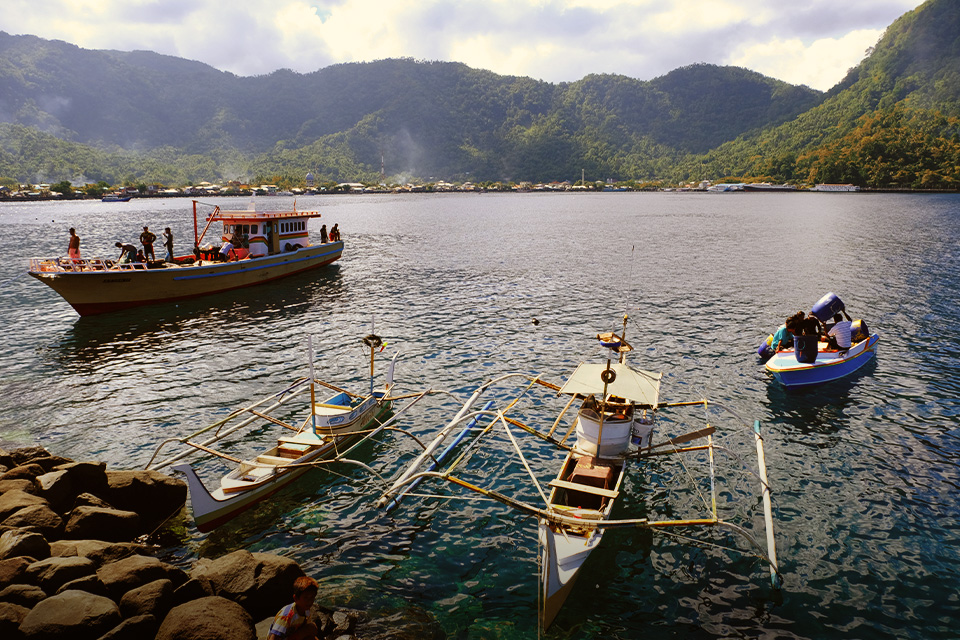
274,460
584,488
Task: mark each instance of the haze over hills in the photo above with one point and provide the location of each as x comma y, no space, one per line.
76,114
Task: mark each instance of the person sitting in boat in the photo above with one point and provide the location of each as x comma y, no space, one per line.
839,335
783,338
335,233
128,253
293,621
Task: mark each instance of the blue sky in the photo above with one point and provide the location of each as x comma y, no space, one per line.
812,42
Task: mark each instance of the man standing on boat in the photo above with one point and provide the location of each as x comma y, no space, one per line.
168,243
323,234
74,249
146,239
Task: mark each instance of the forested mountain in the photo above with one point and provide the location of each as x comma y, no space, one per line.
894,121
70,113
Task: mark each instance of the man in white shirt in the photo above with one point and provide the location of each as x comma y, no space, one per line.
841,332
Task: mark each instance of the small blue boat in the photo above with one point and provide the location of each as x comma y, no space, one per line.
830,364
810,360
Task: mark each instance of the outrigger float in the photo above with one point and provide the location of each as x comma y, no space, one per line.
331,430
268,245
612,429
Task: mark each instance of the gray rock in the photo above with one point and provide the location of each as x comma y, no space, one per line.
90,584
260,582
154,597
192,589
99,551
86,477
344,622
28,471
13,570
77,615
212,618
18,542
102,524
136,628
39,517
133,490
52,573
123,575
13,501
23,455
24,484
89,500
57,488
11,615
26,595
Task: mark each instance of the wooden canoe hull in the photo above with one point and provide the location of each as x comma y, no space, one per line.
93,292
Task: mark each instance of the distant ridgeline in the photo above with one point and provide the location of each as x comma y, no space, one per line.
73,114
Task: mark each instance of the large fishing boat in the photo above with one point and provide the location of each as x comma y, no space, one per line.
266,245
612,430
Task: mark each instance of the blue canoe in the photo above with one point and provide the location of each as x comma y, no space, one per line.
829,365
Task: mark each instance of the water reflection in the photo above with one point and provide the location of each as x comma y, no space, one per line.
93,340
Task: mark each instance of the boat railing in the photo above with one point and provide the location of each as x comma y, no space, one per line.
71,265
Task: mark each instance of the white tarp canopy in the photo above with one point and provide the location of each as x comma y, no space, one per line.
636,385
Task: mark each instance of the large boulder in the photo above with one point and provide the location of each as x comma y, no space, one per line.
24,471
23,455
260,582
136,628
13,570
52,573
23,484
99,551
123,575
154,597
77,615
19,542
212,618
90,584
86,477
102,524
26,595
13,501
57,488
154,495
50,461
11,615
39,517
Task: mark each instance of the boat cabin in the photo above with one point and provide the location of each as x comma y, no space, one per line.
263,233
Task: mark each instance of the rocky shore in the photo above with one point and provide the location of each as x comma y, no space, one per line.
75,563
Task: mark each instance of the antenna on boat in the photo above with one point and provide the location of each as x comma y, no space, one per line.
313,396
373,341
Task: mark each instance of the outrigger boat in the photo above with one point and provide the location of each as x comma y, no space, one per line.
267,245
330,431
612,429
811,360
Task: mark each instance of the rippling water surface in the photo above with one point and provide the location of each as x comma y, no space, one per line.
865,474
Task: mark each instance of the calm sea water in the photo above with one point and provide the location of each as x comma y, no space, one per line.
865,475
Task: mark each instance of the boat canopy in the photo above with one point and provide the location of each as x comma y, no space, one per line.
636,385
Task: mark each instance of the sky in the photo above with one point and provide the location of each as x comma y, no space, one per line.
811,42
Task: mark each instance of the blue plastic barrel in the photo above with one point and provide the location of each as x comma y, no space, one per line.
827,306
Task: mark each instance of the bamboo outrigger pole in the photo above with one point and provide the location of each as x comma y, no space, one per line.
775,579
313,386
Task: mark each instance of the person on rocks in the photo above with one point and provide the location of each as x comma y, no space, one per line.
147,239
293,621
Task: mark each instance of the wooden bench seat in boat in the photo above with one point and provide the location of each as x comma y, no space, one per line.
274,460
292,450
584,488
323,409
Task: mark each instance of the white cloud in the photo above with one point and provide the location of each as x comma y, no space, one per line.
812,43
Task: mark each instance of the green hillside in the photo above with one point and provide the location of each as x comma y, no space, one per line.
72,114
